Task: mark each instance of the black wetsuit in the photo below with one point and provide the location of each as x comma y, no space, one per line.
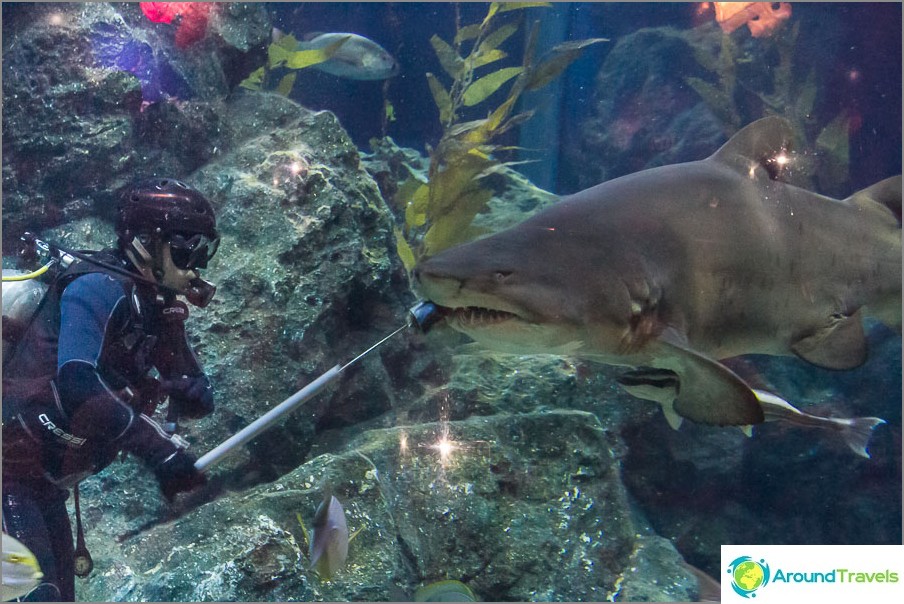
77,391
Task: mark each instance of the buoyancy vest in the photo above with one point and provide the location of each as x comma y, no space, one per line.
29,379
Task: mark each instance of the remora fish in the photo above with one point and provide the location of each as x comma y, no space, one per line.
677,266
359,58
661,386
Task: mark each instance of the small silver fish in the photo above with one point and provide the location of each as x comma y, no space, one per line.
661,386
21,572
328,541
359,58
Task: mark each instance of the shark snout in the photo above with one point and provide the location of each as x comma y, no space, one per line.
435,285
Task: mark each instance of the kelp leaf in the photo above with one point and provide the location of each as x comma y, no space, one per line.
404,251
484,131
507,6
486,58
452,63
416,211
496,38
459,129
807,96
286,84
494,7
406,190
562,56
469,32
500,113
834,140
441,98
488,84
254,80
452,228
502,168
516,120
716,100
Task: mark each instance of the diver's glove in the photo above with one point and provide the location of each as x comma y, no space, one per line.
193,396
177,473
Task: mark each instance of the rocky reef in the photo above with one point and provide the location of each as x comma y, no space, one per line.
555,486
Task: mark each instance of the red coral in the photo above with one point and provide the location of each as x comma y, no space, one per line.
160,12
191,17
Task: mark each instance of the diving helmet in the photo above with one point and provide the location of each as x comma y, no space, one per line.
168,231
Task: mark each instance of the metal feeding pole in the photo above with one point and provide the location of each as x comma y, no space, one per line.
423,316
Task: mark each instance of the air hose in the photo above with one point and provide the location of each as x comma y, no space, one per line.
28,276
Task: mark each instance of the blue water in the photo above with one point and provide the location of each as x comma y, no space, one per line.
836,40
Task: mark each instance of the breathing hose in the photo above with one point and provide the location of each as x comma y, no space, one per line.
27,276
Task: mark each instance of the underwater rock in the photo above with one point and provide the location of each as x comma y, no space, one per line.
306,274
526,507
64,121
645,114
75,80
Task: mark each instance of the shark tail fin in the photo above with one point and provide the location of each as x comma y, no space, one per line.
882,198
857,432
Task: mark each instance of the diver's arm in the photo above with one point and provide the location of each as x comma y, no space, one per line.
93,310
182,376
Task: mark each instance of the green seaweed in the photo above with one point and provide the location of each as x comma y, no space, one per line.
725,92
439,210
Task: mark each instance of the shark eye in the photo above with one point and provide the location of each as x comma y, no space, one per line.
501,276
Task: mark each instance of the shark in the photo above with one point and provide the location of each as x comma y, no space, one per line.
680,266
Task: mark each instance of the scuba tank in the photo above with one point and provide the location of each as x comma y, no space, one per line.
23,290
20,301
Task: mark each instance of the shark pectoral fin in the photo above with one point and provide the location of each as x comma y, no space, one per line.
708,393
840,344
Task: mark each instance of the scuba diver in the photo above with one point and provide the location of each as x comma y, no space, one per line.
79,386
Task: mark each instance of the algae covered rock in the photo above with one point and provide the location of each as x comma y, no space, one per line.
523,507
305,272
95,95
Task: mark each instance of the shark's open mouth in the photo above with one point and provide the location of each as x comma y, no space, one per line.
476,316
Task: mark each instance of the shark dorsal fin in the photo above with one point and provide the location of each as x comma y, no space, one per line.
752,150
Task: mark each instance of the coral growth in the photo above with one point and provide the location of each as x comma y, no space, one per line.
191,18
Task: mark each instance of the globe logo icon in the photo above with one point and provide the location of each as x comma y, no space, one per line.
748,575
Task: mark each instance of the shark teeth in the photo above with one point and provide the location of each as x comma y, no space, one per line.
473,316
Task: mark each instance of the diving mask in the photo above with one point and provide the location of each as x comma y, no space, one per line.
192,251
187,254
